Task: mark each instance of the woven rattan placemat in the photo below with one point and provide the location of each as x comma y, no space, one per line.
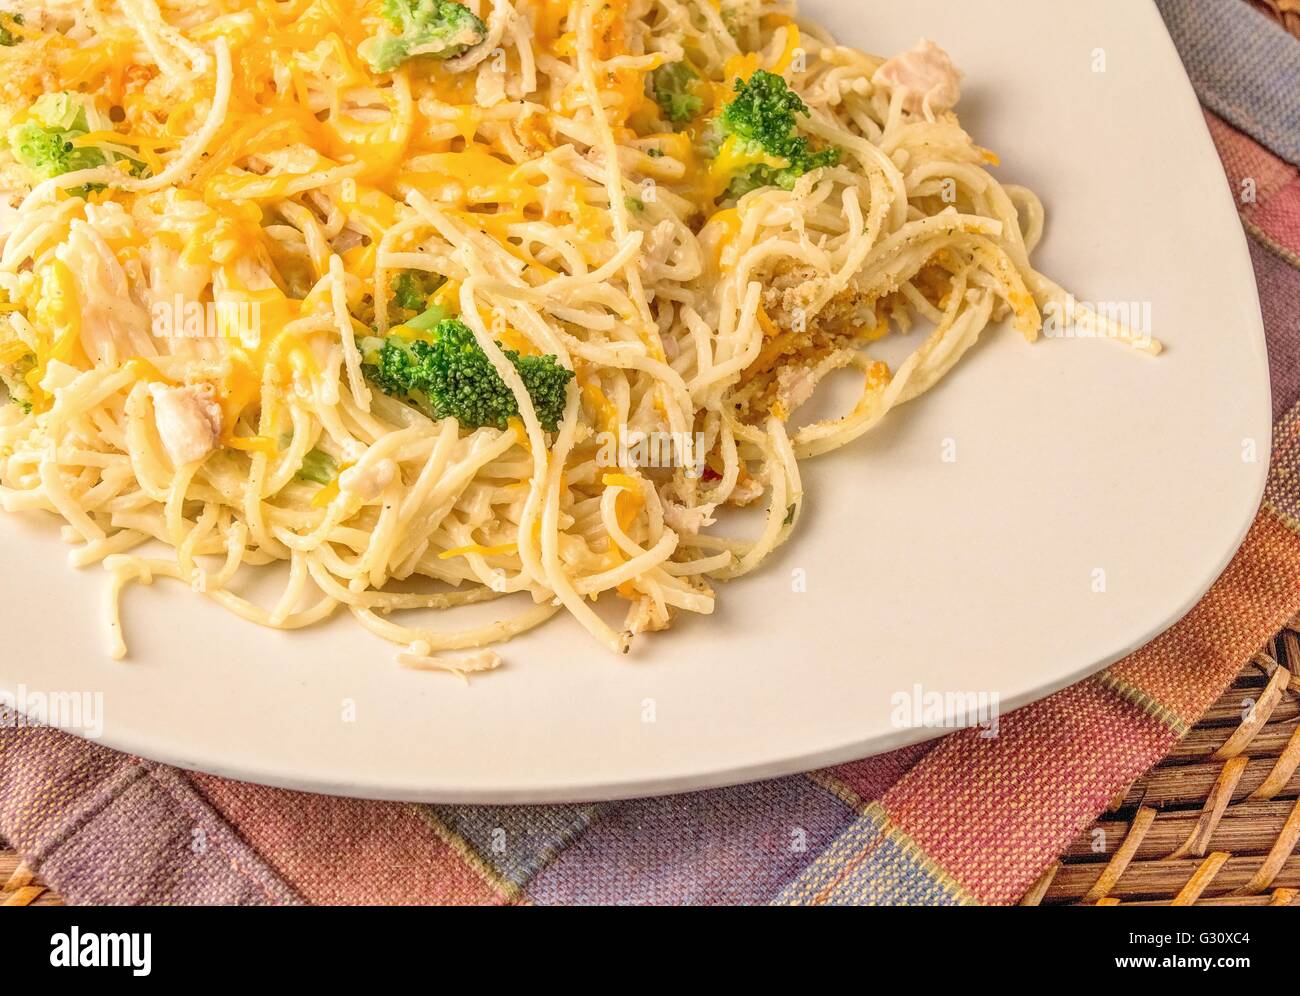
1215,823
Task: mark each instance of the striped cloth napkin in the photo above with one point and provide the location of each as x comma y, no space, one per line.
960,820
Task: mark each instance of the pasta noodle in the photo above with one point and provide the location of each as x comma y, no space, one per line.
190,302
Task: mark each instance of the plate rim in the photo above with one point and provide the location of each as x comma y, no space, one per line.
385,787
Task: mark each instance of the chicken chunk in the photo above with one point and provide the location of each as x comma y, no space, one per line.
368,483
929,82
188,420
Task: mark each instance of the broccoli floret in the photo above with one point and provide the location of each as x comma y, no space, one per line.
762,118
393,364
7,37
758,175
13,378
670,86
16,362
439,28
318,467
763,112
49,152
547,384
449,376
44,143
413,288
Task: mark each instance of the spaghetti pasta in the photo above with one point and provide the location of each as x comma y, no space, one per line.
249,195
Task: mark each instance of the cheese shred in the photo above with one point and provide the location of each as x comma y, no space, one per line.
213,210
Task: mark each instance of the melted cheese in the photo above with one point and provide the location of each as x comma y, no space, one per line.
548,16
142,369
627,505
56,314
290,59
472,176
504,550
602,408
719,232
275,353
330,491
734,156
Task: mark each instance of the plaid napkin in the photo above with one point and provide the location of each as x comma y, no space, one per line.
961,820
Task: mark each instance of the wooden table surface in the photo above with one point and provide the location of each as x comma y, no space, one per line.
27,894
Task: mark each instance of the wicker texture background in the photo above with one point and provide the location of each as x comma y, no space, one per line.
1217,821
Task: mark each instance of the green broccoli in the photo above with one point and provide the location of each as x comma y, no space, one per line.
49,152
761,118
758,175
44,144
763,112
318,467
7,37
16,361
439,28
670,86
427,320
413,288
449,376
13,378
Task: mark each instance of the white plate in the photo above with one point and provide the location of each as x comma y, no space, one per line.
976,575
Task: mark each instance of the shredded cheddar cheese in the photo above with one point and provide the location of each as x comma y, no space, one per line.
347,284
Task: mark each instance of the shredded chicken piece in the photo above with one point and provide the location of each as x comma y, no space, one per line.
812,334
368,482
929,82
747,491
794,386
188,420
688,521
